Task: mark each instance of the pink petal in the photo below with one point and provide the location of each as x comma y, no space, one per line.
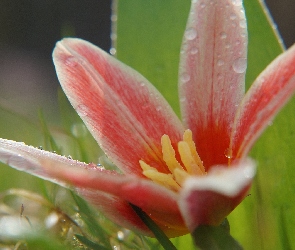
109,191
268,94
212,72
208,200
122,110
29,159
116,209
158,202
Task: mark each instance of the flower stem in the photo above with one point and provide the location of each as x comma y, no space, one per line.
159,234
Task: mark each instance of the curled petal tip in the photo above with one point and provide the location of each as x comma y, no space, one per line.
209,199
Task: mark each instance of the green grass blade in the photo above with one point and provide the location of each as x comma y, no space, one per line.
159,234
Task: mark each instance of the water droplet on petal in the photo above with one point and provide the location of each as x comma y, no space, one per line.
220,62
228,153
233,16
243,23
194,50
237,2
240,65
184,77
190,34
182,99
223,35
159,108
82,110
113,51
18,161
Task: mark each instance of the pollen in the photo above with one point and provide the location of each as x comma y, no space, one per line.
189,163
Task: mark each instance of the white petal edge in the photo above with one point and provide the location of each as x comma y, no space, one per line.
222,180
31,160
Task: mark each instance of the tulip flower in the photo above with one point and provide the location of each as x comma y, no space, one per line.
181,173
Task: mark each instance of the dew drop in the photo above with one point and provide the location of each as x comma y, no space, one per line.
184,77
114,18
228,153
18,161
212,2
232,16
113,51
51,220
190,34
237,2
79,130
240,65
220,62
223,35
182,99
159,108
270,123
120,235
82,110
243,23
194,50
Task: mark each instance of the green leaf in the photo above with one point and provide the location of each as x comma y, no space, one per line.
159,234
48,138
149,38
264,42
89,243
88,215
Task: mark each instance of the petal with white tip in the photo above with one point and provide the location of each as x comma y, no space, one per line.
208,200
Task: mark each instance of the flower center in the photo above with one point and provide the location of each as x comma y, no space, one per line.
189,164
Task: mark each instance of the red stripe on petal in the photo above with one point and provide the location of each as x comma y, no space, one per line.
212,72
268,94
123,111
116,209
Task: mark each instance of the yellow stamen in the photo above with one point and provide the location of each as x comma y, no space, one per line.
160,178
169,154
180,176
190,164
188,138
188,159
